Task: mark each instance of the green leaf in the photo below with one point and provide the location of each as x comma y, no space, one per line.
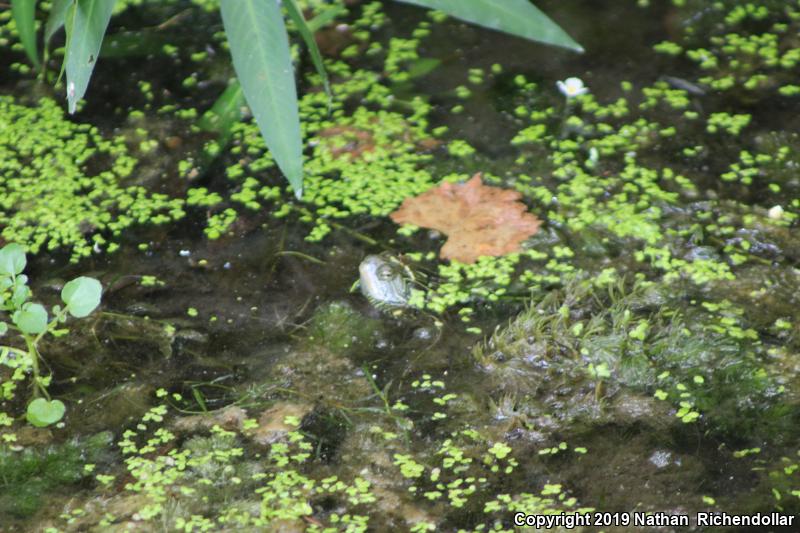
225,112
31,319
24,12
42,413
3,328
327,15
58,14
84,38
82,296
517,17
12,259
422,67
260,50
20,293
311,43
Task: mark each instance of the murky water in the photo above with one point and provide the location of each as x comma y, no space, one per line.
265,321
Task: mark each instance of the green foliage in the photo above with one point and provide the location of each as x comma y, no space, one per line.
42,413
86,24
12,260
82,296
752,49
49,197
260,48
29,324
615,338
259,45
25,16
28,476
517,17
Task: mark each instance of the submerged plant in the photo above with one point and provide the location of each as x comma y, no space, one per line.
30,322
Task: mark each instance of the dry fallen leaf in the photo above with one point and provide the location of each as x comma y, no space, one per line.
477,219
353,141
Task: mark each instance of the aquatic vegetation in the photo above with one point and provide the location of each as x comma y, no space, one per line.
653,364
28,475
341,329
363,162
226,478
30,322
62,183
572,87
617,338
261,27
751,49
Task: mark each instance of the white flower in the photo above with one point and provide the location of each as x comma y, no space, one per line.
594,156
572,87
775,212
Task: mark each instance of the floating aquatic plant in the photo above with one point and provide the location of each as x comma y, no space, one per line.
62,184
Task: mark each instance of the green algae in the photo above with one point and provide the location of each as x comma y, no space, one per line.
27,476
341,329
630,338
62,184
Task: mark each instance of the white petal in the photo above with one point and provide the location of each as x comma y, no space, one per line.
775,212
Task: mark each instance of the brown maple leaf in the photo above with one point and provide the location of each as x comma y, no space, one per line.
477,219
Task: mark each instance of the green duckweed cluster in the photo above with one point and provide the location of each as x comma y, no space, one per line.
752,49
220,479
367,149
62,183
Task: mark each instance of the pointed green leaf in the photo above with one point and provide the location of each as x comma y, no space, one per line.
12,259
82,296
517,17
42,413
31,319
24,12
58,14
84,38
260,50
327,15
311,43
225,112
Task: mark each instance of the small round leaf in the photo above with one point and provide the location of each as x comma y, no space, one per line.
31,319
42,413
82,296
12,259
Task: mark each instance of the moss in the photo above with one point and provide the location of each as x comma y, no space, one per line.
28,476
615,339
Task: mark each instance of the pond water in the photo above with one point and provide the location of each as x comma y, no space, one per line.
636,358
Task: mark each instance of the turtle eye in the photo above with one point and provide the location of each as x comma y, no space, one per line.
385,273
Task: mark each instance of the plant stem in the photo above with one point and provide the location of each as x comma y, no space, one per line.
33,353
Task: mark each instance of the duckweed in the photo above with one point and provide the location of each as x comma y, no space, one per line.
62,184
